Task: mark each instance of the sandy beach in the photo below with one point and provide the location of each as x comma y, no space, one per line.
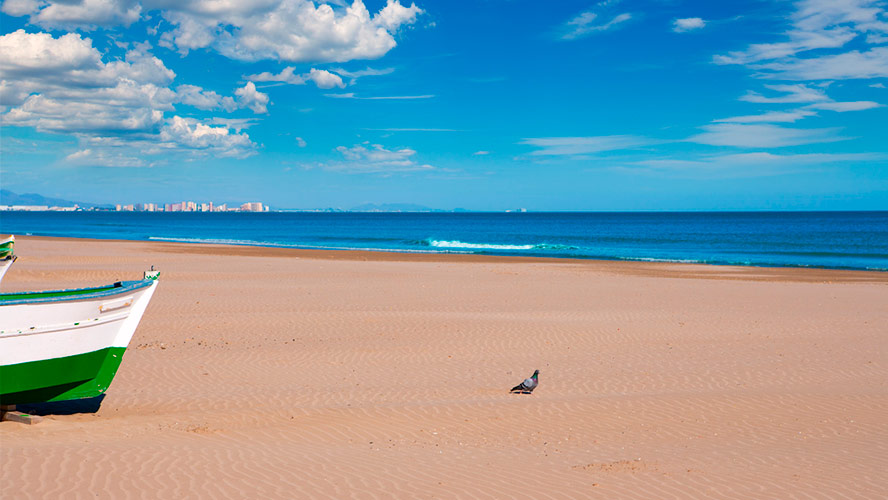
277,373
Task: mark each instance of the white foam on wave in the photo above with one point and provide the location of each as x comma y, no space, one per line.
214,241
478,246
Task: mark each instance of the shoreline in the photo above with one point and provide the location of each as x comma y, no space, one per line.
627,267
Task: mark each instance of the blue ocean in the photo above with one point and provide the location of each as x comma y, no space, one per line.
843,240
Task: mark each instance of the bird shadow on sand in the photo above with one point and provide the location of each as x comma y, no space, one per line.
87,405
520,392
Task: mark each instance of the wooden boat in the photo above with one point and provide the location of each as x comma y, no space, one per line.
67,344
7,254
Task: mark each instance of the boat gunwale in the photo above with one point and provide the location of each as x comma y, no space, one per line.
40,297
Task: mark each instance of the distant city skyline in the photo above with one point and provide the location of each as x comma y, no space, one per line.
574,105
184,206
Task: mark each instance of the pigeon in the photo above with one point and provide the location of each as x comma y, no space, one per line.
528,385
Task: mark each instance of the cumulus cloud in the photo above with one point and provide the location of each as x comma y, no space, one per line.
22,54
286,30
193,95
687,24
321,77
375,158
85,14
324,79
191,133
249,97
114,108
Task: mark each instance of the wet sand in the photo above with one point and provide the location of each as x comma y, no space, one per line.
278,373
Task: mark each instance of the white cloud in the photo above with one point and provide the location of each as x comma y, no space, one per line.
481,153
301,142
794,93
878,85
287,75
104,158
249,97
192,134
351,95
20,7
584,24
849,65
801,42
375,158
85,14
289,30
842,107
22,54
322,78
770,117
755,163
823,25
414,129
354,75
687,24
570,146
193,95
116,109
286,30
236,124
762,135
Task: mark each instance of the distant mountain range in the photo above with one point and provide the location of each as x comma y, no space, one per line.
399,207
9,198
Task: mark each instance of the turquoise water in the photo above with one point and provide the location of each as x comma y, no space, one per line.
845,240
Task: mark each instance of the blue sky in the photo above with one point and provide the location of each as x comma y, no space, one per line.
491,105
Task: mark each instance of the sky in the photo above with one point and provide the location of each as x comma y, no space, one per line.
482,105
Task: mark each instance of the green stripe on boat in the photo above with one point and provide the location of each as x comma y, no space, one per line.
53,293
60,379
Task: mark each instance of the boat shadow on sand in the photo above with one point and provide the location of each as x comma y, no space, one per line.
72,407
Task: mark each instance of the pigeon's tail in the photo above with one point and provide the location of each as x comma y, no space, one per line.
519,388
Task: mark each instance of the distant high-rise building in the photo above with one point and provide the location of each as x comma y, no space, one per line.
253,206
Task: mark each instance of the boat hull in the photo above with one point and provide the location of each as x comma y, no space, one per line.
57,346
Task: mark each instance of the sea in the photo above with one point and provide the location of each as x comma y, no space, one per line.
839,240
